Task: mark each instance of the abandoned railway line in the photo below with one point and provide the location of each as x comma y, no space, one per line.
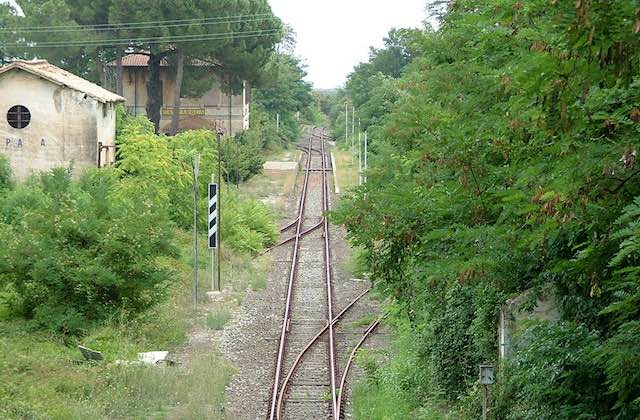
308,380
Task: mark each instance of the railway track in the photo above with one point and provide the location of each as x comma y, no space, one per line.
308,383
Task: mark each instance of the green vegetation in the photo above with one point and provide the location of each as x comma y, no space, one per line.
44,376
503,161
217,320
284,92
74,252
104,261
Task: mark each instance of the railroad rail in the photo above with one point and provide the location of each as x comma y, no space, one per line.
289,359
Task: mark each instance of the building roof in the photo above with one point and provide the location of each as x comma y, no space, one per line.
142,60
54,74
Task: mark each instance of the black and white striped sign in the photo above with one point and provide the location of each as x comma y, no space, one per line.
213,216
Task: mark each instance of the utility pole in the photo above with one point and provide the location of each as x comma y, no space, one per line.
353,121
195,167
366,147
346,123
360,158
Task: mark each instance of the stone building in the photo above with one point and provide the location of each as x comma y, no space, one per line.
214,108
50,117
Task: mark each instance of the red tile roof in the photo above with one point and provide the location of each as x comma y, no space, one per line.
142,60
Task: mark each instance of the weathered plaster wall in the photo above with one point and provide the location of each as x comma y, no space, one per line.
64,127
106,126
214,103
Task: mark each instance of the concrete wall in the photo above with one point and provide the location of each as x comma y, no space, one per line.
106,132
544,308
209,109
65,125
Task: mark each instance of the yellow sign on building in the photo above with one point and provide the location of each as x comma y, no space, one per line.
184,111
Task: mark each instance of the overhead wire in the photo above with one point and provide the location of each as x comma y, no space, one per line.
176,25
129,41
135,25
166,38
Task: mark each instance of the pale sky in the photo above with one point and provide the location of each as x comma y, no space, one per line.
335,35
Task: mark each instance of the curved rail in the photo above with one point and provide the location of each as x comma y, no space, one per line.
306,232
280,389
343,381
290,225
315,339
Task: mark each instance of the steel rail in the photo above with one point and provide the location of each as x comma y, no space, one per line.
301,355
289,226
292,275
306,232
343,381
280,390
293,222
328,278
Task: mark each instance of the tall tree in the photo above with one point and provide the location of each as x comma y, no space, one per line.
33,36
231,40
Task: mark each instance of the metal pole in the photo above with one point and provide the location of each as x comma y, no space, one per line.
353,121
219,238
366,149
484,402
360,158
277,122
346,123
195,167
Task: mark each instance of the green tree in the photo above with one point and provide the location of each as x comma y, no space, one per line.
240,55
283,91
503,161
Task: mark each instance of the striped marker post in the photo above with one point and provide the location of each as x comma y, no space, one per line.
213,216
213,231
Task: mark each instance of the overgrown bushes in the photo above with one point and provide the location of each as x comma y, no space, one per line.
504,160
165,165
75,252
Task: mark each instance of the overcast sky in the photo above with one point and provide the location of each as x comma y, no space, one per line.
335,35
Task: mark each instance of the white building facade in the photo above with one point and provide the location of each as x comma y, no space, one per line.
50,118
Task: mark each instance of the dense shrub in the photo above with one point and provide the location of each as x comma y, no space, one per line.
503,160
6,181
243,158
164,166
552,374
248,224
73,253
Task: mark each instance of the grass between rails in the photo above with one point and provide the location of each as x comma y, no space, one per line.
43,376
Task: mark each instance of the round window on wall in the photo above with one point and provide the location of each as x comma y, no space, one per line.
19,116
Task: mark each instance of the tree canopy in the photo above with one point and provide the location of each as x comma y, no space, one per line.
82,37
